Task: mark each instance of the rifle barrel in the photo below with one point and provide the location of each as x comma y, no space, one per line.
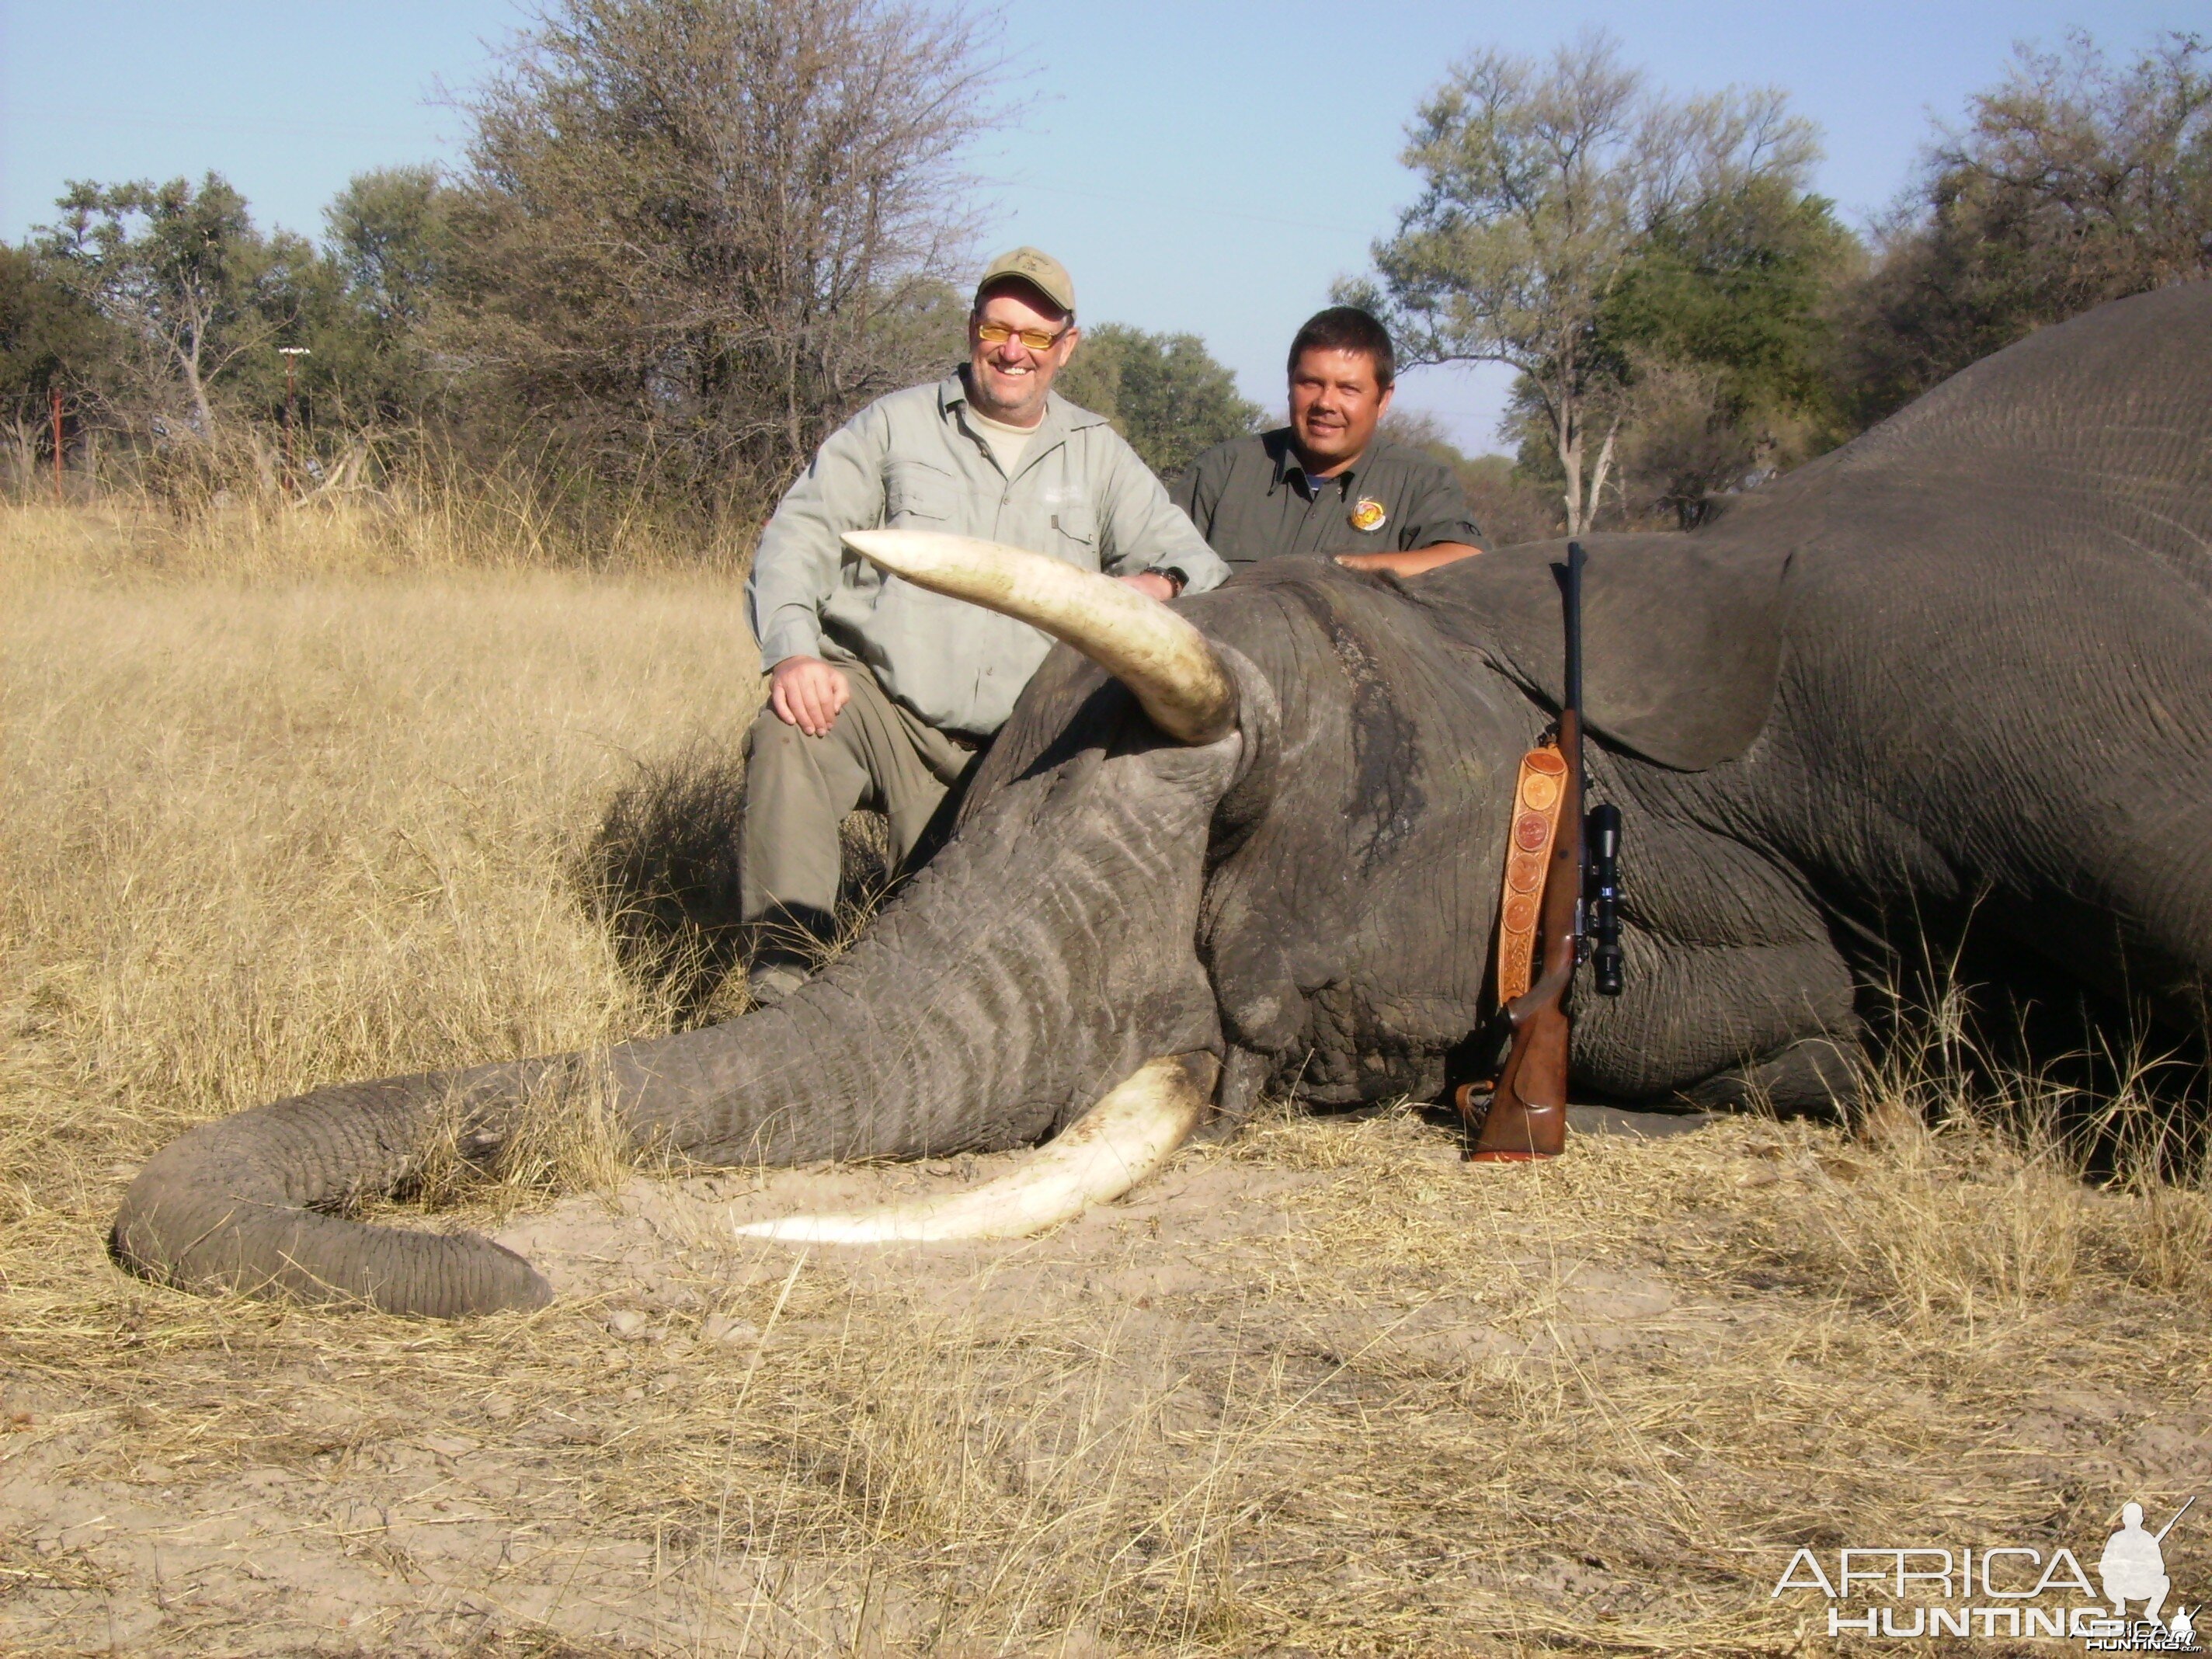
1571,733
1572,689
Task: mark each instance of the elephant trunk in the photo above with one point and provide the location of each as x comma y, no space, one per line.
1041,957
1045,956
244,1204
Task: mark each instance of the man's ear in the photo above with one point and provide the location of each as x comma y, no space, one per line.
1068,342
1382,407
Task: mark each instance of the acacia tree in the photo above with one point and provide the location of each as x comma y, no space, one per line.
185,275
705,231
2073,182
1541,185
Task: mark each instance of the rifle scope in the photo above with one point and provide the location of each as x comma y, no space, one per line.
1603,828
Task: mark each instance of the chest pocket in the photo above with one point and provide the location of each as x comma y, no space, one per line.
917,495
1077,525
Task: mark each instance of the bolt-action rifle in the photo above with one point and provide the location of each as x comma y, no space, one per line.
1527,1117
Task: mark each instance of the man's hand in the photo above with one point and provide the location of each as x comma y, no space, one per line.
1151,584
1409,564
807,692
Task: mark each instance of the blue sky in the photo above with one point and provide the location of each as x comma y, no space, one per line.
1207,166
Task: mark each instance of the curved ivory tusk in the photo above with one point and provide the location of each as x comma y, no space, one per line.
1102,1154
1148,648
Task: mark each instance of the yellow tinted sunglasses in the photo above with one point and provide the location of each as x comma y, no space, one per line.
1035,338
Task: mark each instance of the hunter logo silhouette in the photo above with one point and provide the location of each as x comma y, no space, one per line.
2133,1565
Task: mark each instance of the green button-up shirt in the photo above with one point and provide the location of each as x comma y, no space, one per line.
1078,493
1251,499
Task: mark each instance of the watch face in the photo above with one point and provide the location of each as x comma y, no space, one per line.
1369,514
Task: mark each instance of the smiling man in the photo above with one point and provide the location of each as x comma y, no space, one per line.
880,693
1330,482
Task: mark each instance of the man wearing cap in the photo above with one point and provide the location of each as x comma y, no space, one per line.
882,693
1330,482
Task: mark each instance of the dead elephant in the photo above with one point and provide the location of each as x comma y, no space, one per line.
1967,658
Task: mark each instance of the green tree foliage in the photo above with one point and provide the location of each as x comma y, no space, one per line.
2072,183
693,235
200,295
49,339
1737,282
1542,186
1717,329
698,234
1163,392
392,242
390,246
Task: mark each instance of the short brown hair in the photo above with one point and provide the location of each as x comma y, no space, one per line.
1346,328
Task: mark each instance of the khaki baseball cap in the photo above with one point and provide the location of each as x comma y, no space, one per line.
1038,268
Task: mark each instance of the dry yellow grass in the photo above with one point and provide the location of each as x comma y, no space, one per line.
1325,1390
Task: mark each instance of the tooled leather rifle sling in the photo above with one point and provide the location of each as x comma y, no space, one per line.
1543,905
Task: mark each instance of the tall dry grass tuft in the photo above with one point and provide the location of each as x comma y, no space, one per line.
2004,1180
406,502
661,875
1326,1389
260,836
661,871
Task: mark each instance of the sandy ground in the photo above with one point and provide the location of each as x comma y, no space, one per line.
1190,1344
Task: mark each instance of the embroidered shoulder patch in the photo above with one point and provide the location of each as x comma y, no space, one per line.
1369,514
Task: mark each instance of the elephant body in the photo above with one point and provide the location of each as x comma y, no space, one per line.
1963,662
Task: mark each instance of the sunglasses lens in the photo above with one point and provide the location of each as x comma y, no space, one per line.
1000,333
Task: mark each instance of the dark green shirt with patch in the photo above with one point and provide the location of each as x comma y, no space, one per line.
1251,500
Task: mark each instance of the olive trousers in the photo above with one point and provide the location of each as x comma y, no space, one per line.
879,755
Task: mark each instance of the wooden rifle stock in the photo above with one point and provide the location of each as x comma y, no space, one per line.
1527,1117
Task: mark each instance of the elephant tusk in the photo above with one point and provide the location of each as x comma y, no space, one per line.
1158,655
1119,1142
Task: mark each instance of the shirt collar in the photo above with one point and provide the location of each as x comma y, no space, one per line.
1287,462
1060,417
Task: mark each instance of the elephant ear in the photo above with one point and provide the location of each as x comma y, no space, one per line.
1682,634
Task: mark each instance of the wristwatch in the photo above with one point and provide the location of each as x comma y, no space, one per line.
1177,578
